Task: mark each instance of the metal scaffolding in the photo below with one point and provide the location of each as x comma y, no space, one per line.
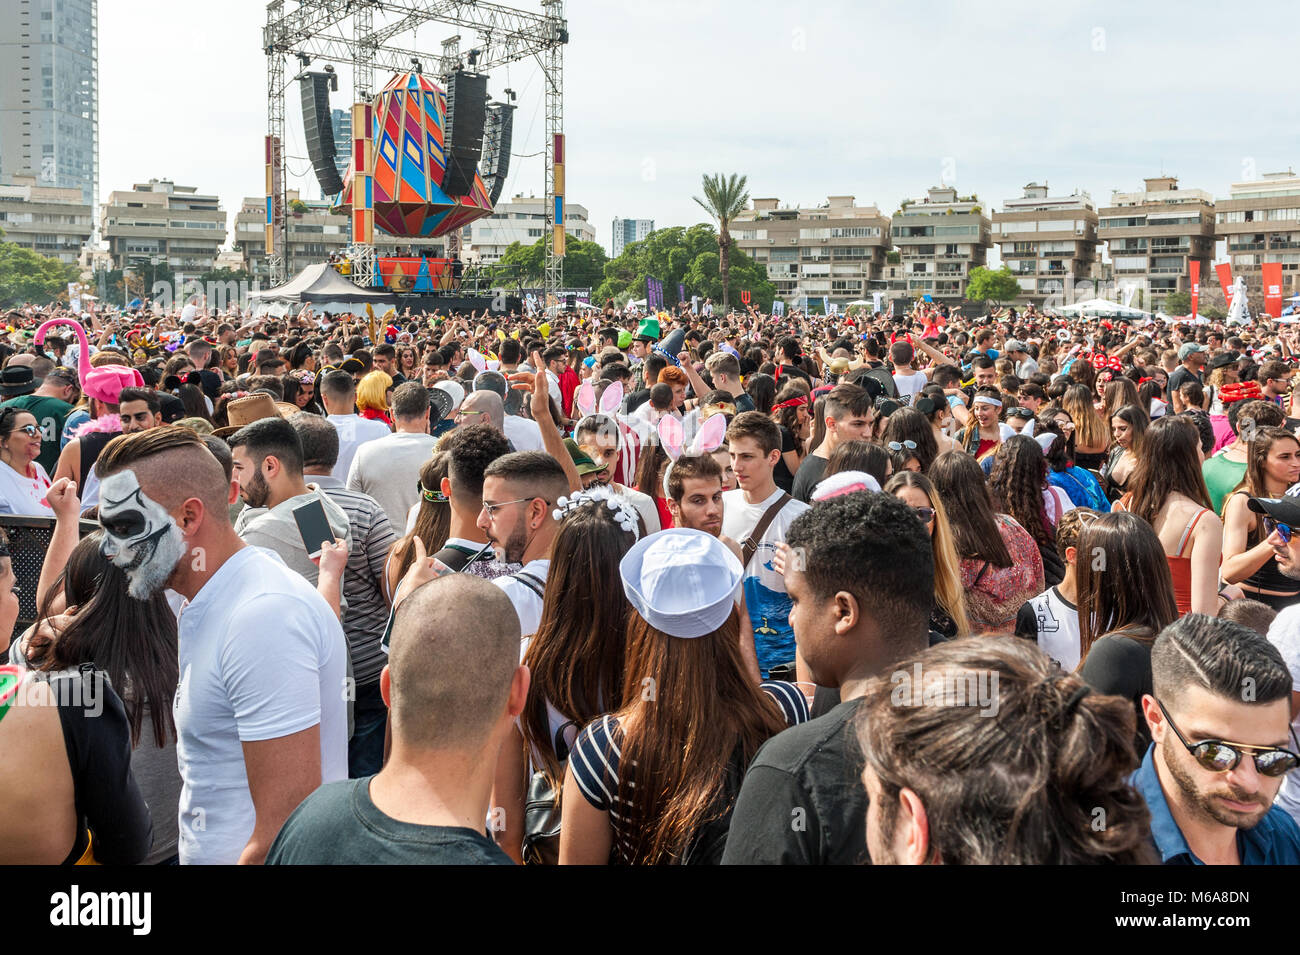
317,30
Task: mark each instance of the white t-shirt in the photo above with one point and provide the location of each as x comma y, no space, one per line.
523,433
1058,627
1284,633
354,431
388,469
528,605
909,385
20,494
1026,368
262,656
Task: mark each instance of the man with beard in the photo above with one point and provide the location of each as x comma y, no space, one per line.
260,722
1220,718
520,491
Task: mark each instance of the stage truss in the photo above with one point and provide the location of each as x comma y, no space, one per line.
345,32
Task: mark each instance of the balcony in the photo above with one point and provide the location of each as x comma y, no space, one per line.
1246,247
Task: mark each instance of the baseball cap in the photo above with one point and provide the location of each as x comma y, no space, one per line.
1188,347
455,390
1014,345
1285,509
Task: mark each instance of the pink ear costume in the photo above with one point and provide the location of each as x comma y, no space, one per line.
104,384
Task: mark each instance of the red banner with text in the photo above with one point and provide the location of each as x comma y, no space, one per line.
1225,281
1196,285
1272,288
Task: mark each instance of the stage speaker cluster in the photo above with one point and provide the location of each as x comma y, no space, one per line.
319,131
466,113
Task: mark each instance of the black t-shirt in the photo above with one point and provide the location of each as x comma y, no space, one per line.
787,370
338,824
810,472
810,774
635,400
1118,665
1179,377
781,474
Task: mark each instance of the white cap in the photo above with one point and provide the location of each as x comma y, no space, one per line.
457,392
681,581
845,482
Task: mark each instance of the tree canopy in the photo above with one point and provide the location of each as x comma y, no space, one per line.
989,285
26,276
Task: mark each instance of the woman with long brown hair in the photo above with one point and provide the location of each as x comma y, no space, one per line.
1000,564
575,662
909,424
1119,392
1125,598
432,523
1128,425
1272,466
1018,483
1169,493
915,490
655,781
1091,436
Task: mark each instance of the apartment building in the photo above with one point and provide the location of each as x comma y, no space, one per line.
1153,235
161,220
520,220
1048,242
49,220
627,231
836,250
940,238
1260,222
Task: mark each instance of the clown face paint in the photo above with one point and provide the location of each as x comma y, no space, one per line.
140,536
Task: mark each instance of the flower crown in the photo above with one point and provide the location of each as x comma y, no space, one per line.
625,515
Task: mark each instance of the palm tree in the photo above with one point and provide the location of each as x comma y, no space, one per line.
725,197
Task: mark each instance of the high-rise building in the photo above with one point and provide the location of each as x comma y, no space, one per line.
627,231
1153,235
836,251
49,94
45,219
1260,222
315,233
161,220
941,237
1048,242
341,123
519,220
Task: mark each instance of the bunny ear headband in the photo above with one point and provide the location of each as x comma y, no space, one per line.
585,401
707,440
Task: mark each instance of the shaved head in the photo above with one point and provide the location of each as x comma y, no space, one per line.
488,408
172,465
451,660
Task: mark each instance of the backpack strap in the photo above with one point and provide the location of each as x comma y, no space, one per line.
533,583
749,545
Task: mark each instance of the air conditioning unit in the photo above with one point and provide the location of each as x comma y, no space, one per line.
771,241
794,241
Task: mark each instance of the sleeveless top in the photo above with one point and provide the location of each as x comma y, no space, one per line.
92,445
1269,576
1180,566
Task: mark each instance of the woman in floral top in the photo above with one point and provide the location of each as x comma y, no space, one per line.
1000,564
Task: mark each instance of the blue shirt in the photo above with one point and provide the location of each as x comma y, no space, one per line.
1274,841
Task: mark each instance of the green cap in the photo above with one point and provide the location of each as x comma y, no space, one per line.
581,460
624,339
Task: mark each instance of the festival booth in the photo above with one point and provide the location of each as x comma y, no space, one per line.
323,287
1102,308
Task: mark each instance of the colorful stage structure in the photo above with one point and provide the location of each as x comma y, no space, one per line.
415,161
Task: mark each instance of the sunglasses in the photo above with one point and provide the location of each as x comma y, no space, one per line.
28,429
897,446
1220,757
926,514
1283,530
1020,413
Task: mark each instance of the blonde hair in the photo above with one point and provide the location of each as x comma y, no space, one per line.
947,569
372,391
1090,429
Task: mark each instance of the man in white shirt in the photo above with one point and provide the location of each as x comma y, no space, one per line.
339,393
754,442
260,723
388,468
520,491
1018,352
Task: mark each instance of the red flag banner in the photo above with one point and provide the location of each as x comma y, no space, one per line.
1225,281
1196,285
1272,288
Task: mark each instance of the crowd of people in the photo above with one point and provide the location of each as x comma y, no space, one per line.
674,588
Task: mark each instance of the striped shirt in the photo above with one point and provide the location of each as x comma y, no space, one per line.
363,580
596,752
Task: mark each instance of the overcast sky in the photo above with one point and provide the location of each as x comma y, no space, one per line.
877,100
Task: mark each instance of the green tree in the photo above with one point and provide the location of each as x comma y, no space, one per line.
988,285
584,264
1178,303
687,256
26,276
725,197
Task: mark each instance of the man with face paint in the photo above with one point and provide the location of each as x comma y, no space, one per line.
260,723
520,491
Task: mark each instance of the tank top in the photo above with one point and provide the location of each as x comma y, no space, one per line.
92,445
1269,576
1180,566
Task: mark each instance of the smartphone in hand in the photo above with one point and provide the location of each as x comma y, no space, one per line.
314,526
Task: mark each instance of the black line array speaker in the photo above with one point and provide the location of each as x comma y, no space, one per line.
466,112
319,131
498,129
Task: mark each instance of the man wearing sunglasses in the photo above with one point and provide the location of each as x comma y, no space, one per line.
1221,742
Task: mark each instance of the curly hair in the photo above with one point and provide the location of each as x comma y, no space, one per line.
1022,789
1017,481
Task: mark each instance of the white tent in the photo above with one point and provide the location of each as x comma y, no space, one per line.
323,287
1102,308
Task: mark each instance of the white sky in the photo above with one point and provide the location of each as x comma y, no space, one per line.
873,99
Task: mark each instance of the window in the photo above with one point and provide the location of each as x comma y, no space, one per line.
814,233
855,232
